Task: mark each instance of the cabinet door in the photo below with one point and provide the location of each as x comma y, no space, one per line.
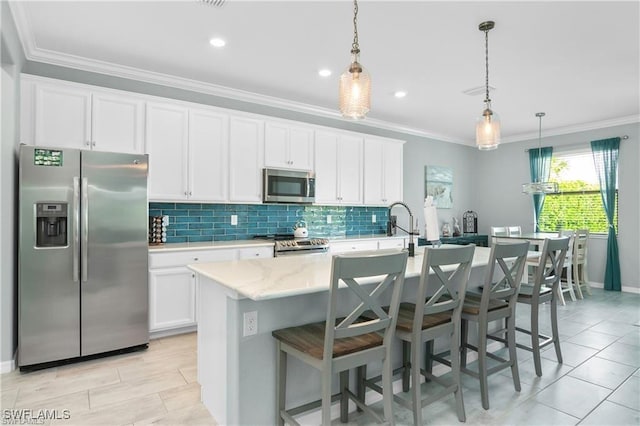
246,157
171,298
288,147
117,123
62,117
326,166
393,172
166,143
382,171
346,246
276,146
389,243
301,148
208,156
350,170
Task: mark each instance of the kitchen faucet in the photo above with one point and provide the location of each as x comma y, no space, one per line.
410,231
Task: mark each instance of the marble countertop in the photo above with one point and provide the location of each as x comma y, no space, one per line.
213,245
209,245
271,278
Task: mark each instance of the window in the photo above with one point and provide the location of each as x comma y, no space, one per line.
578,205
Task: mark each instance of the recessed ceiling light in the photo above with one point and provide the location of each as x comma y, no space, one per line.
400,94
217,42
324,72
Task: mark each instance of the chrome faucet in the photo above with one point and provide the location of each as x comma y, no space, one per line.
410,231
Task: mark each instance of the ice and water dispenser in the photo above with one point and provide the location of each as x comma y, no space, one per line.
51,224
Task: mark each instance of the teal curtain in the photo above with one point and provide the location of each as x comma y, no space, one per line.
540,168
605,158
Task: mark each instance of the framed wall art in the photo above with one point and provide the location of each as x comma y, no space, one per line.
438,183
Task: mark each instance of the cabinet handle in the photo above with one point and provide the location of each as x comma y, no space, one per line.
190,193
87,143
195,259
93,143
258,254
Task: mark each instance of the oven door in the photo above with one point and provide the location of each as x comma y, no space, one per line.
288,186
307,251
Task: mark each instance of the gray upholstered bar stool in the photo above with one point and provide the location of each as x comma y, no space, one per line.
544,289
495,301
341,343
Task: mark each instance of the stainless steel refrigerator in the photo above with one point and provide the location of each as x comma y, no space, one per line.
83,262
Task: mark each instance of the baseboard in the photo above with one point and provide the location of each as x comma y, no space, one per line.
172,332
9,366
624,289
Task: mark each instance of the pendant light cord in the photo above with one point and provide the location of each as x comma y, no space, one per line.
486,62
355,47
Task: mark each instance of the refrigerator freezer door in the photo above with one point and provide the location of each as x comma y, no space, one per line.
115,253
48,297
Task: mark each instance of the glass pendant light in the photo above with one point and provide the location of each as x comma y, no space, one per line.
488,124
538,187
355,83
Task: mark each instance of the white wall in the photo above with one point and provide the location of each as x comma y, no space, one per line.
12,59
499,199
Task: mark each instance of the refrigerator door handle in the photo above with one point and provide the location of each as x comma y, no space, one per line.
85,229
76,229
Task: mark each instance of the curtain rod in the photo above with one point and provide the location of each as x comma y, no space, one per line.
575,145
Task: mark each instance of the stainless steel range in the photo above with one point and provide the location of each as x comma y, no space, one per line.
287,245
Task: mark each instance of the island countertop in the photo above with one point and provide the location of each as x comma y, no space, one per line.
271,278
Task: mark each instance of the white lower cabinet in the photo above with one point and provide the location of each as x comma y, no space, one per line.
367,244
172,286
172,295
353,245
393,243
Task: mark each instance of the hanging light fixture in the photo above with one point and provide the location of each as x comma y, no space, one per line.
540,187
488,124
355,83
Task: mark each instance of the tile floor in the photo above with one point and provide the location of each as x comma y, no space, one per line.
598,383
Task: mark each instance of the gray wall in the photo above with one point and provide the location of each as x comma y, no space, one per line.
12,59
496,186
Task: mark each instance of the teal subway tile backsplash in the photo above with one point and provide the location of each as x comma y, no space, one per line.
212,222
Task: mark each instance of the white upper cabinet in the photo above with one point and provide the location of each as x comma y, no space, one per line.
167,144
117,123
72,116
288,146
208,155
338,166
188,151
382,171
246,157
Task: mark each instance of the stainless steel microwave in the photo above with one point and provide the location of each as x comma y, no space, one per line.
288,186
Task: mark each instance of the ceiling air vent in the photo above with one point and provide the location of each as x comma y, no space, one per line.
217,3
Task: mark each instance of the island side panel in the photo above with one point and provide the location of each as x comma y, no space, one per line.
217,351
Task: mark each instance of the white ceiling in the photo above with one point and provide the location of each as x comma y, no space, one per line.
577,61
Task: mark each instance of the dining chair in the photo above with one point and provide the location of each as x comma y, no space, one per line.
544,289
497,232
496,302
436,313
580,276
514,231
341,342
566,280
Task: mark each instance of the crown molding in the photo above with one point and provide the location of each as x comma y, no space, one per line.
36,54
585,127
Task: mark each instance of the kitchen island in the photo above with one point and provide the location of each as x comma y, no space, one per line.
236,356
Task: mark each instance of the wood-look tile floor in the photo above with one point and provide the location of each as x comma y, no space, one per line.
598,382
155,386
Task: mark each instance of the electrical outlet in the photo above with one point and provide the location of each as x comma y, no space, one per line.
328,218
234,219
250,323
373,218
